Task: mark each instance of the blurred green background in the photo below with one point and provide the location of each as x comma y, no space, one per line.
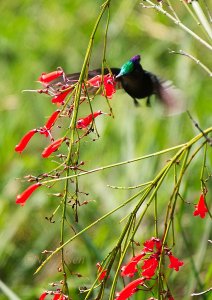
38,36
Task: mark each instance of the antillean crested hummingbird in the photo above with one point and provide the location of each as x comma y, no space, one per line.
137,82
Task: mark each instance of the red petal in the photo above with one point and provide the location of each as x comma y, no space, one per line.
48,77
129,289
25,140
58,297
21,199
52,147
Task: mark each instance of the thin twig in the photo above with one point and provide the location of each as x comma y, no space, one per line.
180,24
201,16
197,61
201,293
208,11
198,127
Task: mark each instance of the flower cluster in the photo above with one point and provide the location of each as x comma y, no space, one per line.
149,257
61,89
58,86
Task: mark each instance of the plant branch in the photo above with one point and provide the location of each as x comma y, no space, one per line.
177,22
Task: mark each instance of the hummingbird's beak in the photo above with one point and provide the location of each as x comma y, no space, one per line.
119,74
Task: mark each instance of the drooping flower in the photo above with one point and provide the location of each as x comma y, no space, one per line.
130,289
21,199
109,85
25,140
102,272
52,148
175,263
85,122
46,78
201,208
149,267
129,269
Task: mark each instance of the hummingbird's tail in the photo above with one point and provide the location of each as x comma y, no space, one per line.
171,97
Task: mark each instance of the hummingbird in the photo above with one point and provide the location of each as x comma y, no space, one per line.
137,82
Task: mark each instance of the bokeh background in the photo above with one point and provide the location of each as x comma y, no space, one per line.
38,36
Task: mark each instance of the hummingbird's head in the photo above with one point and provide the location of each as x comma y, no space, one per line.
129,66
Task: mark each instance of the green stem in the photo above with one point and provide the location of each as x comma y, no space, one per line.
201,16
117,164
184,146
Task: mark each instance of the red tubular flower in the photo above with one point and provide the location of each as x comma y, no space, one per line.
103,272
201,208
129,269
129,289
109,85
95,81
149,267
21,199
25,140
84,122
43,296
175,263
61,96
52,148
46,78
50,122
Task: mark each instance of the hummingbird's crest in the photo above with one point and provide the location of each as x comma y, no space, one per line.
136,59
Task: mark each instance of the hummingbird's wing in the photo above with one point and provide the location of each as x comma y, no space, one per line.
73,78
171,97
